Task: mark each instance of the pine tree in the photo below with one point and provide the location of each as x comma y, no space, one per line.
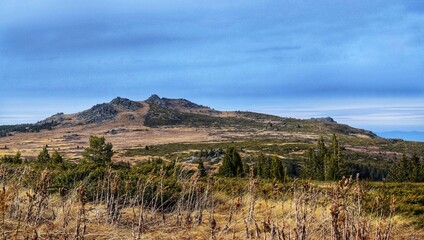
308,168
232,165
56,157
266,168
99,151
44,156
277,169
324,163
259,166
335,167
17,158
320,156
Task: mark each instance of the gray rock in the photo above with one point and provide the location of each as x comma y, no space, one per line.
126,104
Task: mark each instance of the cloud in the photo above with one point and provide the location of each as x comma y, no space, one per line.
237,51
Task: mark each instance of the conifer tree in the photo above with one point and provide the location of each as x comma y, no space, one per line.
43,156
56,157
232,165
277,169
17,158
99,151
260,165
416,174
324,163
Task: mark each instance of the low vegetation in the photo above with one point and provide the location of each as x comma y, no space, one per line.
247,197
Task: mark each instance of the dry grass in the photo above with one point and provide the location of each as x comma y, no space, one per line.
300,210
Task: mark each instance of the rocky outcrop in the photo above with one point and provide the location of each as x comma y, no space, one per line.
126,104
323,119
176,104
99,113
153,98
54,119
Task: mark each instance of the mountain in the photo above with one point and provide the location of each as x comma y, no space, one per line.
157,120
157,112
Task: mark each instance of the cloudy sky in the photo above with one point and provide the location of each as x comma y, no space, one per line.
361,62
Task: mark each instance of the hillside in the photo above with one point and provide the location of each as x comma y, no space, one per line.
166,123
165,178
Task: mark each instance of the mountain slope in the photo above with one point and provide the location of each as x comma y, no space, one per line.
136,124
180,112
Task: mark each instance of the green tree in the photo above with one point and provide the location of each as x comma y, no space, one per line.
314,164
99,151
277,169
416,174
320,155
259,166
407,169
56,157
232,165
324,163
43,156
17,158
335,166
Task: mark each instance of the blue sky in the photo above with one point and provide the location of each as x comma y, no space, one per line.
361,62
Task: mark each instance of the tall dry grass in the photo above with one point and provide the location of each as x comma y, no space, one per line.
119,210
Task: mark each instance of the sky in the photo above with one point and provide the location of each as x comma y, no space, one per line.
360,62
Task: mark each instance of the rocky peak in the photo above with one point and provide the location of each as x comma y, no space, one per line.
153,98
324,119
56,119
126,104
99,113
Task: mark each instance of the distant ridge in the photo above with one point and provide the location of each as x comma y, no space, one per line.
158,111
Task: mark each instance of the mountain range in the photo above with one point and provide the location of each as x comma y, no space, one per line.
135,124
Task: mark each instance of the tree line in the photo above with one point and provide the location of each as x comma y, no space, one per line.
321,163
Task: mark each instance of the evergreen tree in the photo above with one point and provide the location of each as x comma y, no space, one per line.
232,165
259,166
44,156
308,168
416,174
407,169
17,158
99,151
320,156
335,168
314,166
277,169
56,157
324,163
266,168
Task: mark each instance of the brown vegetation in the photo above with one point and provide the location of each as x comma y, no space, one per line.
299,210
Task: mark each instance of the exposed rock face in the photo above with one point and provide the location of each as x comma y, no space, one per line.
153,98
174,103
99,113
324,119
55,119
126,104
156,100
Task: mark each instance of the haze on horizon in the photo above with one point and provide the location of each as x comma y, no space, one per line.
360,62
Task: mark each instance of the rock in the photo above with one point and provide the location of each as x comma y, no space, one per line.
99,113
54,119
324,119
126,104
153,98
